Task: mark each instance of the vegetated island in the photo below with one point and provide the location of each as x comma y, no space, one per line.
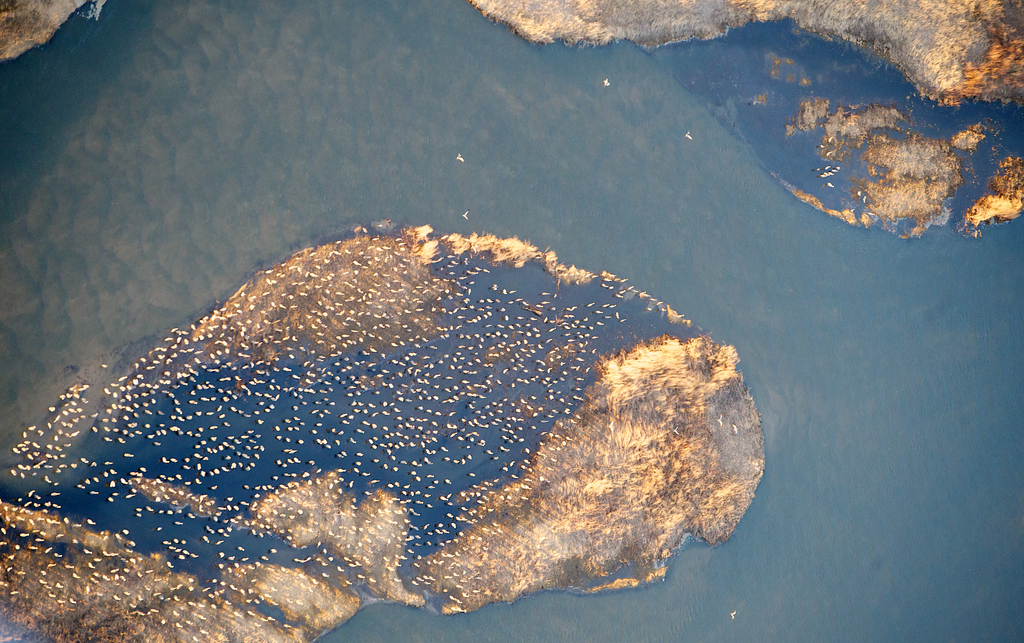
950,50
907,176
1005,200
433,421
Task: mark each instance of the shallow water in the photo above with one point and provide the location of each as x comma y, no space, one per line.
155,158
755,79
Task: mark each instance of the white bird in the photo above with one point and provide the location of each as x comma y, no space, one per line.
606,83
733,614
459,158
688,136
465,215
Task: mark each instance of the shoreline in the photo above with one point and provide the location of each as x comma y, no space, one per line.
949,53
25,24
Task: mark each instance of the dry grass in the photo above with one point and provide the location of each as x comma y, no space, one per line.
1010,180
849,128
968,139
370,535
369,293
809,115
53,529
908,177
318,605
1000,73
639,467
667,443
915,175
27,23
1007,199
947,49
373,292
98,590
845,214
176,496
514,252
994,209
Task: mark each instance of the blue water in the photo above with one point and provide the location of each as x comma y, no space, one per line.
155,158
235,430
734,76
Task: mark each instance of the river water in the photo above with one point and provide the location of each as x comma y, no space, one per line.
153,159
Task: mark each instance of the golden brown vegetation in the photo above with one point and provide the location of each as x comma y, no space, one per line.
968,139
668,444
845,214
97,590
374,292
514,252
848,128
1000,73
315,603
177,496
947,49
1007,199
809,115
27,23
914,176
370,535
53,529
909,175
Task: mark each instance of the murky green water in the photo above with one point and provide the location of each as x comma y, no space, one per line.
154,159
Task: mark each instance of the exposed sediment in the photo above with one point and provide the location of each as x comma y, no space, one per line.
949,50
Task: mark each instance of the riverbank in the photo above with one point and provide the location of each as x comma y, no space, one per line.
950,51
